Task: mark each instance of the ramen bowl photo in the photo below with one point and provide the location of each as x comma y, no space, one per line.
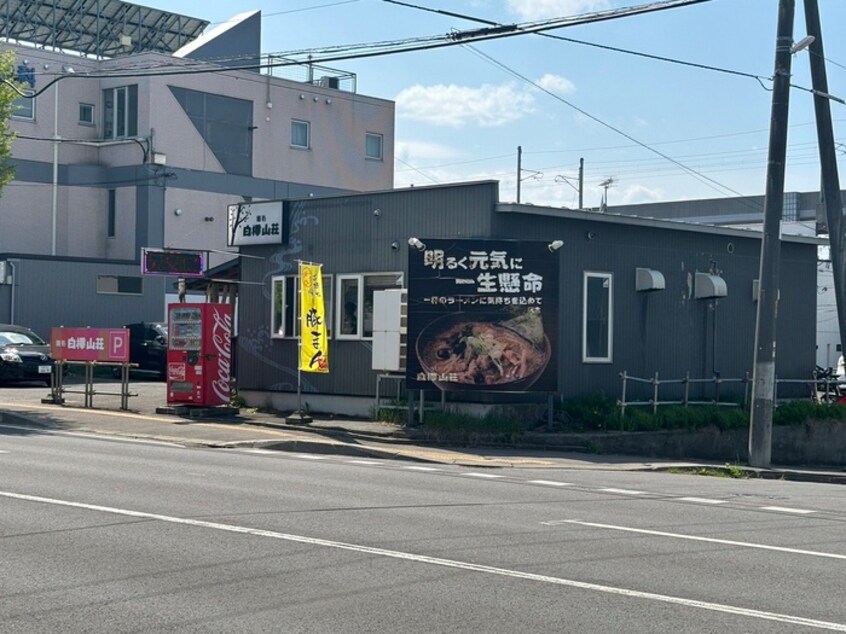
484,352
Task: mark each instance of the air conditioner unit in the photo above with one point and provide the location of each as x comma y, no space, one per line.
328,81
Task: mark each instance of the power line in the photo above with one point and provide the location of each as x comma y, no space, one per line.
615,49
374,49
710,182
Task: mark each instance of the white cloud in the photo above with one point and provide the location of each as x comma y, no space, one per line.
528,10
556,84
415,151
458,106
636,194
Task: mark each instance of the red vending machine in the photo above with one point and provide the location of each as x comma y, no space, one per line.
199,354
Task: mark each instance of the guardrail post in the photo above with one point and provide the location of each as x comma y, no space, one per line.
717,381
686,387
549,412
88,397
623,376
655,394
746,384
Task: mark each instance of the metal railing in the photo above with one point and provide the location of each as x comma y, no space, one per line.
824,388
58,389
309,73
686,383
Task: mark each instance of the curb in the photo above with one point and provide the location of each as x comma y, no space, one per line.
339,441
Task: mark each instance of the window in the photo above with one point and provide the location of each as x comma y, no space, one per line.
86,114
120,285
285,305
597,322
355,302
120,112
112,212
300,134
24,107
373,146
224,123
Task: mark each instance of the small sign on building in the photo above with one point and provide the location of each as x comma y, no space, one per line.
254,223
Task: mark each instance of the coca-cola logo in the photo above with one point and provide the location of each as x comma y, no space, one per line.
222,342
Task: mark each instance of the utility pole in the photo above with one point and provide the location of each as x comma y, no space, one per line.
605,185
519,170
828,162
763,378
582,185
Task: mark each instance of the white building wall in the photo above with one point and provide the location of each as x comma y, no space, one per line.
190,229
338,120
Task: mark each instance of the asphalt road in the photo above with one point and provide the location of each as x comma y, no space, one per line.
114,536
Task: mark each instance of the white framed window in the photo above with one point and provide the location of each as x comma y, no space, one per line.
120,112
373,146
300,134
354,317
86,114
285,306
597,317
24,107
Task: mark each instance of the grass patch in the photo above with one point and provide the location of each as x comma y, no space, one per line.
599,413
728,471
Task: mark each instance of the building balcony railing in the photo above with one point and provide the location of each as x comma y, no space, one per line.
314,74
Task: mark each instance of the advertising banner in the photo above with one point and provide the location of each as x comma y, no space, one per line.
482,316
314,349
90,344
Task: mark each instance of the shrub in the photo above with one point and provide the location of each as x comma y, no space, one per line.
590,412
461,427
800,412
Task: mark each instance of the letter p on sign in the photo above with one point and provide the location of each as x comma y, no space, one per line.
119,345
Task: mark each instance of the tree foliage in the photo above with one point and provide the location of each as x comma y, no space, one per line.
8,96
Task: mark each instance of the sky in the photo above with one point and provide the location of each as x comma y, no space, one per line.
647,129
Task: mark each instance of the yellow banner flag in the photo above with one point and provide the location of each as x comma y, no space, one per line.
314,348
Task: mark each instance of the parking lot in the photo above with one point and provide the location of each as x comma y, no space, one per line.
148,393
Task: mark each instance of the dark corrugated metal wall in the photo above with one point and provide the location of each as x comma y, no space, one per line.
53,293
669,331
666,331
352,234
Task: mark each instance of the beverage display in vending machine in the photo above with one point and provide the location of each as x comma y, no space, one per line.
199,355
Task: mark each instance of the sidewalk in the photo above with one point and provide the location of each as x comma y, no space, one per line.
350,437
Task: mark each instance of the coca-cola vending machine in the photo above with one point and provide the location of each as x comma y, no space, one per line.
199,354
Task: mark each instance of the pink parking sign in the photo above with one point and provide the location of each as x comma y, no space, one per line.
90,344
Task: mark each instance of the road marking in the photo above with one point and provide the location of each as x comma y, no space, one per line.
104,436
308,456
365,462
696,538
482,475
551,483
622,491
3,451
701,500
783,509
417,468
260,451
446,563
